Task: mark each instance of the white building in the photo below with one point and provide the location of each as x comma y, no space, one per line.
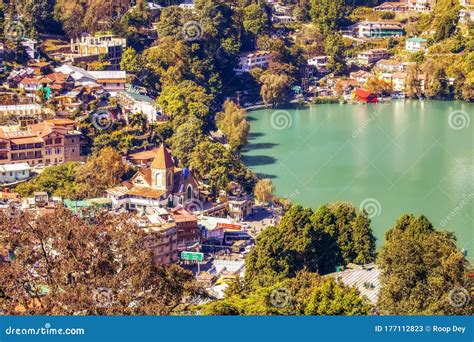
372,56
415,44
137,103
10,173
252,60
420,5
399,81
111,81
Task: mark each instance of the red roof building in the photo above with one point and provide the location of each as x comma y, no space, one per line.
365,96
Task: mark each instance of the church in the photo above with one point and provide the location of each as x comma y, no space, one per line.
162,184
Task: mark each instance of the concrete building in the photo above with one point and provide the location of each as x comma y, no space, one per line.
415,44
252,60
392,7
372,56
50,142
189,236
377,29
132,102
161,238
111,81
109,46
10,173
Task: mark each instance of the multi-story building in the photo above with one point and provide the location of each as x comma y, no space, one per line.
392,7
50,142
372,56
161,238
415,44
189,235
377,29
109,46
252,60
420,5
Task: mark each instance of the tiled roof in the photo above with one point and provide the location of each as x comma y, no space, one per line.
162,159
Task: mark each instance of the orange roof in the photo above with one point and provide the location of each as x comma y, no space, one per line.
229,226
162,159
31,140
145,192
143,155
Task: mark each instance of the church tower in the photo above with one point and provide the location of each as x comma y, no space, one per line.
162,170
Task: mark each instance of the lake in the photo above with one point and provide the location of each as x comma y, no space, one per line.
389,158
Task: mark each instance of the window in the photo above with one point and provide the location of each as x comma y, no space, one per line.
57,140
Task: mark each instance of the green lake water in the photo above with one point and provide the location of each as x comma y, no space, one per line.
390,158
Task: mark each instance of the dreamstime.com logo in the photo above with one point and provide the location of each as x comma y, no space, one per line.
14,31
46,330
280,297
372,206
459,119
281,119
459,297
102,119
192,31
103,297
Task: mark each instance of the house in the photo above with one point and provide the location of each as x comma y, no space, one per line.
366,278
49,143
111,81
361,76
466,15
365,96
187,5
398,81
30,48
252,60
415,44
10,173
392,7
32,110
97,46
371,56
420,5
189,235
160,185
132,102
390,65
377,29
319,62
161,238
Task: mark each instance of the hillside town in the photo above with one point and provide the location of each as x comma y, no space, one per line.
141,111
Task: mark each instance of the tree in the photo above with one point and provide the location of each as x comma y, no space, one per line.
305,294
171,22
378,86
131,61
100,172
316,241
56,180
60,264
335,50
232,121
255,19
328,14
214,162
420,267
185,139
438,85
184,100
275,89
264,190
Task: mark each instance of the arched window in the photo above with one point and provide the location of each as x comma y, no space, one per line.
190,192
181,200
159,179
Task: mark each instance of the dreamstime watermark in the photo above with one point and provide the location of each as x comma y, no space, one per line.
14,31
459,297
459,119
464,202
192,31
102,119
46,330
280,297
103,297
193,205
281,119
361,129
371,206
